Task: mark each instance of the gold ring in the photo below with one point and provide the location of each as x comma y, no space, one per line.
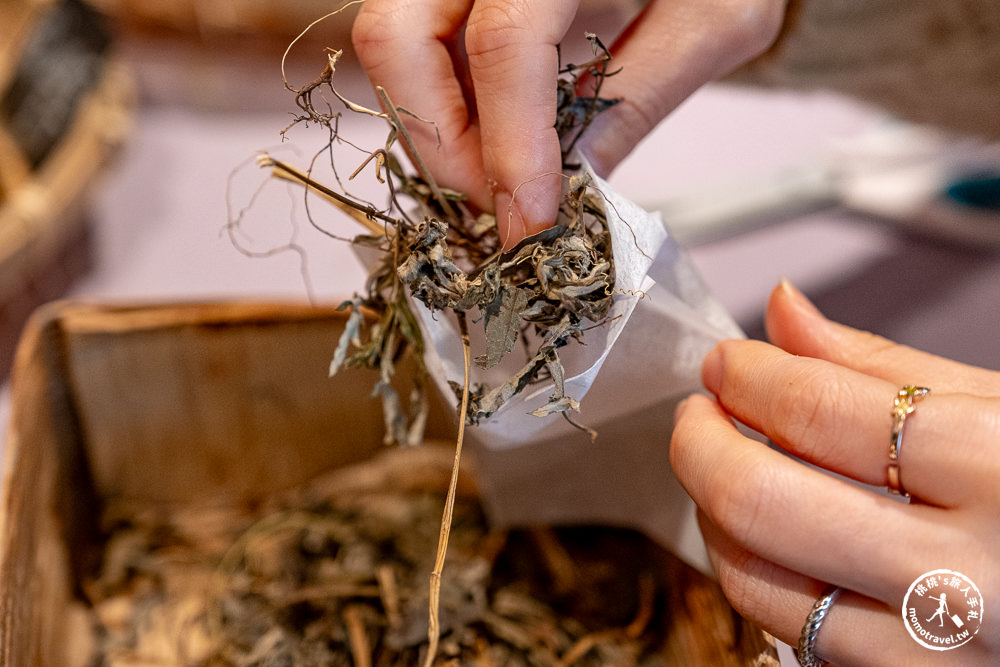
902,406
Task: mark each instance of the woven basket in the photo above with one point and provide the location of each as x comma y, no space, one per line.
64,107
208,20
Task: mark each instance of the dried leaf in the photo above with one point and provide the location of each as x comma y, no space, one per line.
503,329
560,404
350,336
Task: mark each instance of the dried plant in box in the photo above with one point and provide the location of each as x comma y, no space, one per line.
333,573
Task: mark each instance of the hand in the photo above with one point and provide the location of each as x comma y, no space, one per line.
484,72
779,531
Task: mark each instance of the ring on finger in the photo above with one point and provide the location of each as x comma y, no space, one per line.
807,640
902,406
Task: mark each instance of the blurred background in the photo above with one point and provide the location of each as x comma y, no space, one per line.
856,158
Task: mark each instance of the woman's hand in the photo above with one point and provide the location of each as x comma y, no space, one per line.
484,72
779,531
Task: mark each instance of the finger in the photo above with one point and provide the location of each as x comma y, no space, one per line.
950,454
828,415
406,46
856,631
798,517
841,419
795,325
668,52
513,62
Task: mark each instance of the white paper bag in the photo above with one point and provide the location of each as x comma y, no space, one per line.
629,376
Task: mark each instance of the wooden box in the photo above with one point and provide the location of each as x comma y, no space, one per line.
174,405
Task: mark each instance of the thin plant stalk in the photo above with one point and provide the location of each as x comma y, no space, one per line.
359,212
418,161
434,627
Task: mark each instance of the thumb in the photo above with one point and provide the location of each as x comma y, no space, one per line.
670,50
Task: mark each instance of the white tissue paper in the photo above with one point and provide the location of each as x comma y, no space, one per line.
628,376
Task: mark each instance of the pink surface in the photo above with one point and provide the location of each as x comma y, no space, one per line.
160,215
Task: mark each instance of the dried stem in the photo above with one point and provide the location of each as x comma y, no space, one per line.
360,212
556,559
644,614
598,68
389,592
309,27
233,220
361,650
434,628
418,162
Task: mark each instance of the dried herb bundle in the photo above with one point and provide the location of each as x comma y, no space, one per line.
543,293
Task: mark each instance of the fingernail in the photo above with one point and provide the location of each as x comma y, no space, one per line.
797,298
510,221
712,367
529,209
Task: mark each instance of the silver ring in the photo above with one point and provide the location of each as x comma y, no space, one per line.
807,640
902,406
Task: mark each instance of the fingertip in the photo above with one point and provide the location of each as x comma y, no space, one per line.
529,209
510,223
785,290
680,435
679,410
514,64
791,320
712,369
697,410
